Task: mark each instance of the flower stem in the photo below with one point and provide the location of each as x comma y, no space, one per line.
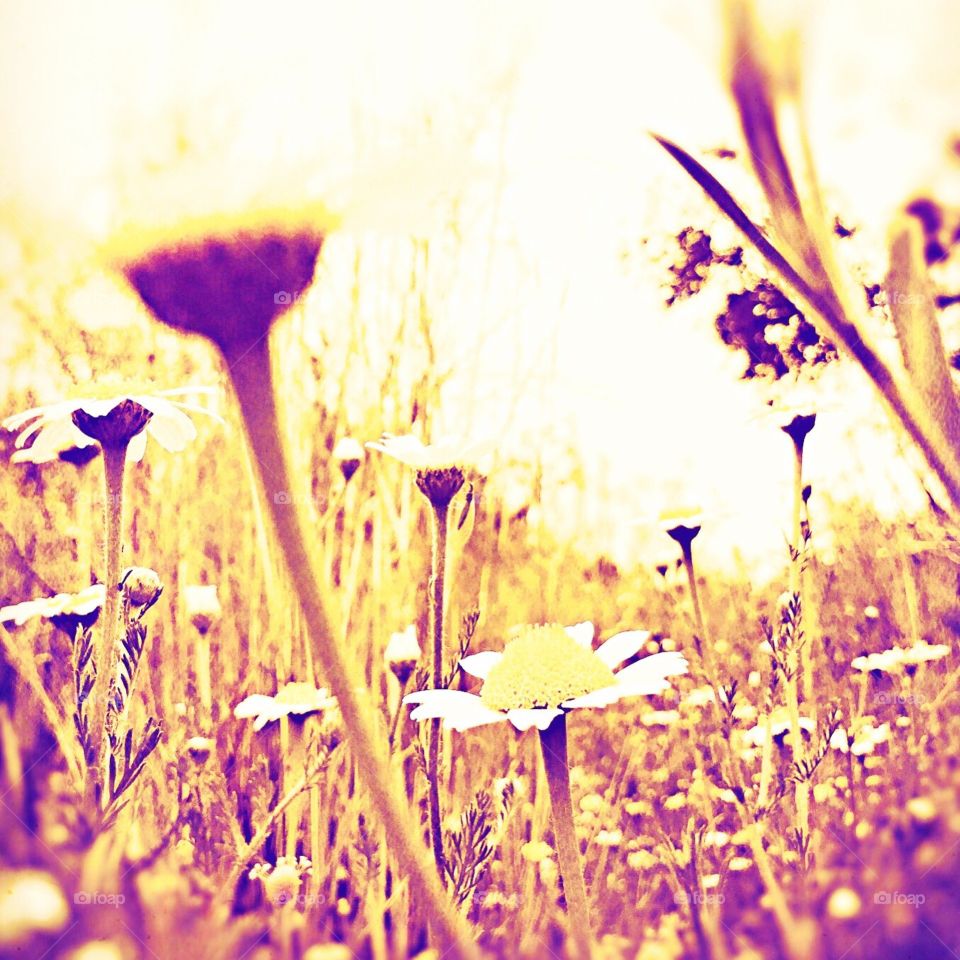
441,512
253,384
553,746
114,461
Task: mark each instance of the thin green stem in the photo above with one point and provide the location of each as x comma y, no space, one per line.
114,462
437,617
553,746
251,374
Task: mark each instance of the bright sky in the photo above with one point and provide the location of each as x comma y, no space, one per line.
534,116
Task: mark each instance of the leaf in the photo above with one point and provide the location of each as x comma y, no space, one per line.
911,302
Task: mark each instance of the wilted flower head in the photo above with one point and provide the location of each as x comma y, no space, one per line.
281,883
348,454
65,610
439,465
113,420
297,699
202,605
545,671
402,653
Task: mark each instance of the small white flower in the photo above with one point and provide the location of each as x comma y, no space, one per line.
347,448
545,671
402,647
292,698
85,421
202,605
31,902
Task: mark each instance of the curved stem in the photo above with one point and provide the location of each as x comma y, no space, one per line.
114,461
436,619
251,375
553,746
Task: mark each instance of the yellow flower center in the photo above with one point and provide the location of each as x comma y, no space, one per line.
543,667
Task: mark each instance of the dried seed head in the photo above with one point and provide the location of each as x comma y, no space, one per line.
348,453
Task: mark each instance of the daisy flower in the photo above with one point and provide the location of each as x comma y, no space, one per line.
439,465
402,653
83,606
542,674
546,671
114,420
282,882
292,699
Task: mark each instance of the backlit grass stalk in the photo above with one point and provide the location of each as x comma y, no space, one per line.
114,464
437,610
553,747
251,373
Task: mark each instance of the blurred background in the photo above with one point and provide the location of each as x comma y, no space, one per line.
501,199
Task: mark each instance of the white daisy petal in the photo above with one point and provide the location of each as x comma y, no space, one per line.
137,447
621,646
597,698
54,436
480,664
582,633
170,427
539,717
99,408
252,706
648,676
458,710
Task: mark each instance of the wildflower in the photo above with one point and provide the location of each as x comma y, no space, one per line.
439,465
31,902
536,850
871,612
402,653
200,748
922,809
591,803
545,671
682,524
329,951
609,838
739,864
921,652
660,718
888,661
115,420
868,737
348,454
844,904
292,699
281,883
202,606
779,723
641,860
64,609
676,801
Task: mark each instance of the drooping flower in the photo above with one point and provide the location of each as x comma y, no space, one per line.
112,420
402,653
64,609
439,465
202,606
545,671
293,698
682,523
348,455
140,585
